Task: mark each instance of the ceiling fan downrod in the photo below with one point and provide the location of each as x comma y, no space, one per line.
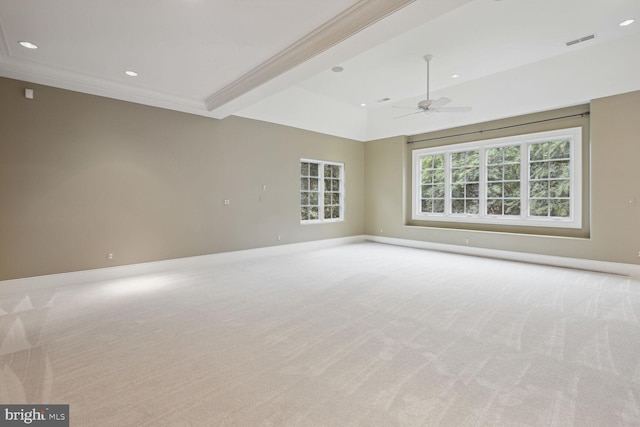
428,58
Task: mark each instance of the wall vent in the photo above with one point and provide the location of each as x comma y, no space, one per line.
581,39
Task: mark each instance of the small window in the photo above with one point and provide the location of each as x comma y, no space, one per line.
321,191
532,179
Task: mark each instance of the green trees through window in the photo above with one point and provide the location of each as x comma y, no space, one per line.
503,181
321,191
465,182
550,179
432,190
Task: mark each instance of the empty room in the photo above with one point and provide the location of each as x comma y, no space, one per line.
320,213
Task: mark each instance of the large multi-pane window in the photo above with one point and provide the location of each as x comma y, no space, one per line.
321,191
532,179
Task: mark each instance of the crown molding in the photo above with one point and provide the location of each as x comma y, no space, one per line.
77,82
31,72
353,20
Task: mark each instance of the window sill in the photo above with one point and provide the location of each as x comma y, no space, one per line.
324,221
494,221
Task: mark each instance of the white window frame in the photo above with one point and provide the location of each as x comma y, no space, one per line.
321,164
574,135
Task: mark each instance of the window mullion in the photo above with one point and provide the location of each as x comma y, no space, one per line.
574,179
321,191
524,180
447,184
417,185
482,191
341,196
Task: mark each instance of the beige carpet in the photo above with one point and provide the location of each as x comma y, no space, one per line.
358,335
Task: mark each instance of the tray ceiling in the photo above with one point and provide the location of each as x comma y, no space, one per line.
272,60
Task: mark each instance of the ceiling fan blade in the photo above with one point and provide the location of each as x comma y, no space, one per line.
441,102
406,108
453,110
410,114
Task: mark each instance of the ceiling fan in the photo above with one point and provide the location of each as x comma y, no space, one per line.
434,105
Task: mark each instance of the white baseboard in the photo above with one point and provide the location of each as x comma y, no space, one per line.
578,263
111,273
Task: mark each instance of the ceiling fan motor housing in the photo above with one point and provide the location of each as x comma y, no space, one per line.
425,104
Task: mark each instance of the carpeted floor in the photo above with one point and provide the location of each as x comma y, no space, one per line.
358,335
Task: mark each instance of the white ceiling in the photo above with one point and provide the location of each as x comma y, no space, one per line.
271,60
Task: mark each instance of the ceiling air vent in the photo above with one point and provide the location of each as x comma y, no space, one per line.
581,39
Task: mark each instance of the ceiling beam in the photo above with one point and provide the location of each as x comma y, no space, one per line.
354,19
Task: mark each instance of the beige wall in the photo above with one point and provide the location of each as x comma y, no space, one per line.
81,176
611,232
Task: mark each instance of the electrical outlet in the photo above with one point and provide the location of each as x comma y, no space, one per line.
227,201
279,238
110,256
466,241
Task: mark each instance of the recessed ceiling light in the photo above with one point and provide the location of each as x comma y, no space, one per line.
455,76
131,73
337,69
363,105
28,45
626,22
